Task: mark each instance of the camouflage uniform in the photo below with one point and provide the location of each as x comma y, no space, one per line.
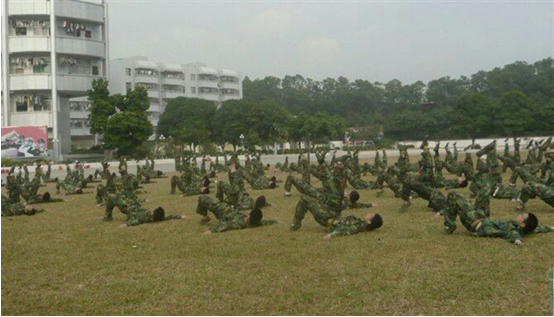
526,173
504,192
10,209
236,220
533,189
321,212
234,194
194,187
219,209
138,215
336,225
476,222
436,199
118,200
346,226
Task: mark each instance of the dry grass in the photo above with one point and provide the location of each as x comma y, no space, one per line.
67,261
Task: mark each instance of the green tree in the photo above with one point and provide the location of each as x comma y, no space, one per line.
515,114
101,107
470,117
188,121
129,128
322,128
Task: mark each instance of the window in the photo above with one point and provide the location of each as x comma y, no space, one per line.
95,70
20,31
128,71
20,106
88,34
193,90
192,77
128,86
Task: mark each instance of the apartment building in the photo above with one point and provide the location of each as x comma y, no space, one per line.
52,51
165,81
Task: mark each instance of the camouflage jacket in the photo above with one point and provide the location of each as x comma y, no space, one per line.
346,226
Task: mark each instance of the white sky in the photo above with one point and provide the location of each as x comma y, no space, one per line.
372,40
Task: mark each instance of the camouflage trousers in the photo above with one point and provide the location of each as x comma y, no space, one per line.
303,187
532,190
321,212
523,172
469,217
436,199
482,201
206,203
112,201
358,183
188,190
234,196
504,192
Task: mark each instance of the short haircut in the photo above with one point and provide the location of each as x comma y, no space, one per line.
79,191
260,202
256,216
531,223
273,179
376,222
90,178
46,196
354,196
158,214
463,184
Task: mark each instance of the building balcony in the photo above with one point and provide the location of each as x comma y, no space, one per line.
172,94
21,44
230,97
208,83
229,85
78,115
172,81
31,118
75,84
30,82
85,131
209,96
153,94
79,10
37,7
147,79
78,46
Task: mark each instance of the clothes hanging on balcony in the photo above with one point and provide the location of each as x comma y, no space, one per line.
65,60
28,61
30,24
73,29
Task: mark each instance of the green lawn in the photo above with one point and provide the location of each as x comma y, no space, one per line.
67,261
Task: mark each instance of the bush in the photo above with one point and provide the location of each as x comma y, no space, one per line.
6,162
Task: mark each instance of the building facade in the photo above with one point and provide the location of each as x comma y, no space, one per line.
51,53
165,81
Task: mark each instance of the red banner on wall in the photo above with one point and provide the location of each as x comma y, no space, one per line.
28,141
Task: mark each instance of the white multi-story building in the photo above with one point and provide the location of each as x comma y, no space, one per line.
51,52
167,81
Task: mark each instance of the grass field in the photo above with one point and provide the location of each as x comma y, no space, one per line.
67,261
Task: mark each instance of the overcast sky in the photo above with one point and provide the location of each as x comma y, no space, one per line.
376,41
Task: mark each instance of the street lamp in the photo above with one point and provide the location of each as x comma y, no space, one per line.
242,141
